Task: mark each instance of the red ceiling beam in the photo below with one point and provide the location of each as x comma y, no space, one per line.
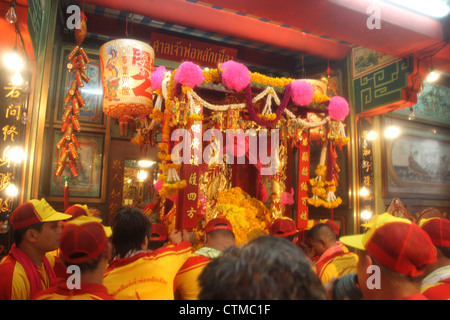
201,17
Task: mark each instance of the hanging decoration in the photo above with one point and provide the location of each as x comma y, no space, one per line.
304,154
68,144
280,103
126,67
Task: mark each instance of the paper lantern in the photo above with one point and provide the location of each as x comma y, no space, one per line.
126,67
318,85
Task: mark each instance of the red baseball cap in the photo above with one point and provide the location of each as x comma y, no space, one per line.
397,243
333,225
78,210
82,239
35,211
438,229
218,224
283,227
159,232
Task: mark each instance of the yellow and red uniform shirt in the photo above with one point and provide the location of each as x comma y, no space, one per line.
437,291
336,262
14,282
146,275
186,281
436,285
88,291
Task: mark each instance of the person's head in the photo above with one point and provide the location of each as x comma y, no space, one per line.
399,248
266,268
84,242
130,229
77,210
158,236
336,228
36,223
285,228
439,231
219,234
321,237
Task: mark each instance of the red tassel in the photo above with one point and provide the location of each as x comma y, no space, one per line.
66,193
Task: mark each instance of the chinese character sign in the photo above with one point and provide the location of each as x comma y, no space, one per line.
303,180
13,106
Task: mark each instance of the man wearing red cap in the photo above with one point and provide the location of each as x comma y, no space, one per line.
84,245
219,236
393,255
284,228
158,238
334,261
75,211
28,268
436,284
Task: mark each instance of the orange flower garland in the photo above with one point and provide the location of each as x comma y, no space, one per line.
247,215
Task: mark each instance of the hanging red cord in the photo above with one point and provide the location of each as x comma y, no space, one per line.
66,193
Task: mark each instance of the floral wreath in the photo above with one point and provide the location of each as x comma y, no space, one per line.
169,86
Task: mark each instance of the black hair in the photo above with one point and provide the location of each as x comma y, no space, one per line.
322,229
20,233
221,232
445,251
86,266
130,226
155,244
267,267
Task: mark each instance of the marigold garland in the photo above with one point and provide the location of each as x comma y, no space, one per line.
247,215
157,115
319,98
269,81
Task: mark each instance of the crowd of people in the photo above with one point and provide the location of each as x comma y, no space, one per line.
73,256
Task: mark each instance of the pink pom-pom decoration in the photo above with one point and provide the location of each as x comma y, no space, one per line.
158,185
235,75
157,77
288,198
302,92
338,108
189,74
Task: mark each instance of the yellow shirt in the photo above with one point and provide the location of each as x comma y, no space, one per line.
87,291
146,275
335,262
186,280
15,284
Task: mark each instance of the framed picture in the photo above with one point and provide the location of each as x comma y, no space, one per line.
91,115
89,185
417,162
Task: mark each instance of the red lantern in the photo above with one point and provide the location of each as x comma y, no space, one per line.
126,67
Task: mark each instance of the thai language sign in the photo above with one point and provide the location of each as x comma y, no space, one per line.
181,49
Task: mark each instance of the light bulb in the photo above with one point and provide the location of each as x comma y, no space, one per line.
372,135
145,163
17,79
11,16
11,190
432,76
13,61
366,215
142,175
364,192
16,155
412,115
433,8
392,132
